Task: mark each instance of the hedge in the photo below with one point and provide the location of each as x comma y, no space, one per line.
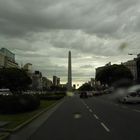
18,103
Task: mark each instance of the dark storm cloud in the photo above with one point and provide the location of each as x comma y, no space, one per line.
96,31
18,17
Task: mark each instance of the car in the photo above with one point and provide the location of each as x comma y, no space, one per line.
5,92
96,93
132,97
83,95
89,94
108,91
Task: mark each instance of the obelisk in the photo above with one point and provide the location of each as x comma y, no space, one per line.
69,72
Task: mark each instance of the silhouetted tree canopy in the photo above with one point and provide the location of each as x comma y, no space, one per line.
110,74
58,88
85,87
14,79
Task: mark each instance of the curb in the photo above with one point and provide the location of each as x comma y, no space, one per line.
5,136
30,120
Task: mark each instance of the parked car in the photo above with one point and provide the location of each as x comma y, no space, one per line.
89,94
83,95
132,97
5,92
96,93
109,90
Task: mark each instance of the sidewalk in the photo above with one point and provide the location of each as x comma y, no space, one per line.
27,131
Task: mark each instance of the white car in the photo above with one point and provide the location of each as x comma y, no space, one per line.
132,97
5,92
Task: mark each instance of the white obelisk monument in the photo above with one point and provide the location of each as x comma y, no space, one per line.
69,72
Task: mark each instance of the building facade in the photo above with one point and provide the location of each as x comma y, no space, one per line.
56,81
46,83
37,80
7,59
138,67
132,66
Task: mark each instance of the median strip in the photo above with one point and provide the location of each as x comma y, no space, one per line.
22,121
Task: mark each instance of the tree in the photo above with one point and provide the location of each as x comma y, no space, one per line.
114,73
85,87
58,88
14,79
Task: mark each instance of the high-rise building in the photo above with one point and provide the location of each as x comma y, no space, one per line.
10,56
138,67
37,80
7,59
56,81
69,72
132,66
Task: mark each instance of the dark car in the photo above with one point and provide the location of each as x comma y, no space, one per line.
83,95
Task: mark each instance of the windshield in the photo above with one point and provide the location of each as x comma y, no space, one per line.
70,69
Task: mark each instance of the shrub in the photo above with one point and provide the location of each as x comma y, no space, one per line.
51,96
18,103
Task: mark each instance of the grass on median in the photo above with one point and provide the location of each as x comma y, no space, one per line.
17,119
3,135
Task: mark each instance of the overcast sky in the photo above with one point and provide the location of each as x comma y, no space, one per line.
96,31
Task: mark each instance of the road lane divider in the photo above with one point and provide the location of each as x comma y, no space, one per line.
105,127
90,110
136,110
87,107
116,104
124,107
96,117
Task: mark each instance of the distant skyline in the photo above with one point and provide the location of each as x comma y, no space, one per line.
96,31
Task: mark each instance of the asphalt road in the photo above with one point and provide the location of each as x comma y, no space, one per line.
90,119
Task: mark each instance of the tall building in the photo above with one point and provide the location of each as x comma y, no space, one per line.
69,72
138,67
46,83
132,66
56,81
37,80
7,59
10,56
28,68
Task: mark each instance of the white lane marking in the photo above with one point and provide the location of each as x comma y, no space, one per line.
84,103
77,116
90,110
105,127
136,110
87,107
96,117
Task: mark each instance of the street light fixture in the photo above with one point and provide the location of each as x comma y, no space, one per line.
132,54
